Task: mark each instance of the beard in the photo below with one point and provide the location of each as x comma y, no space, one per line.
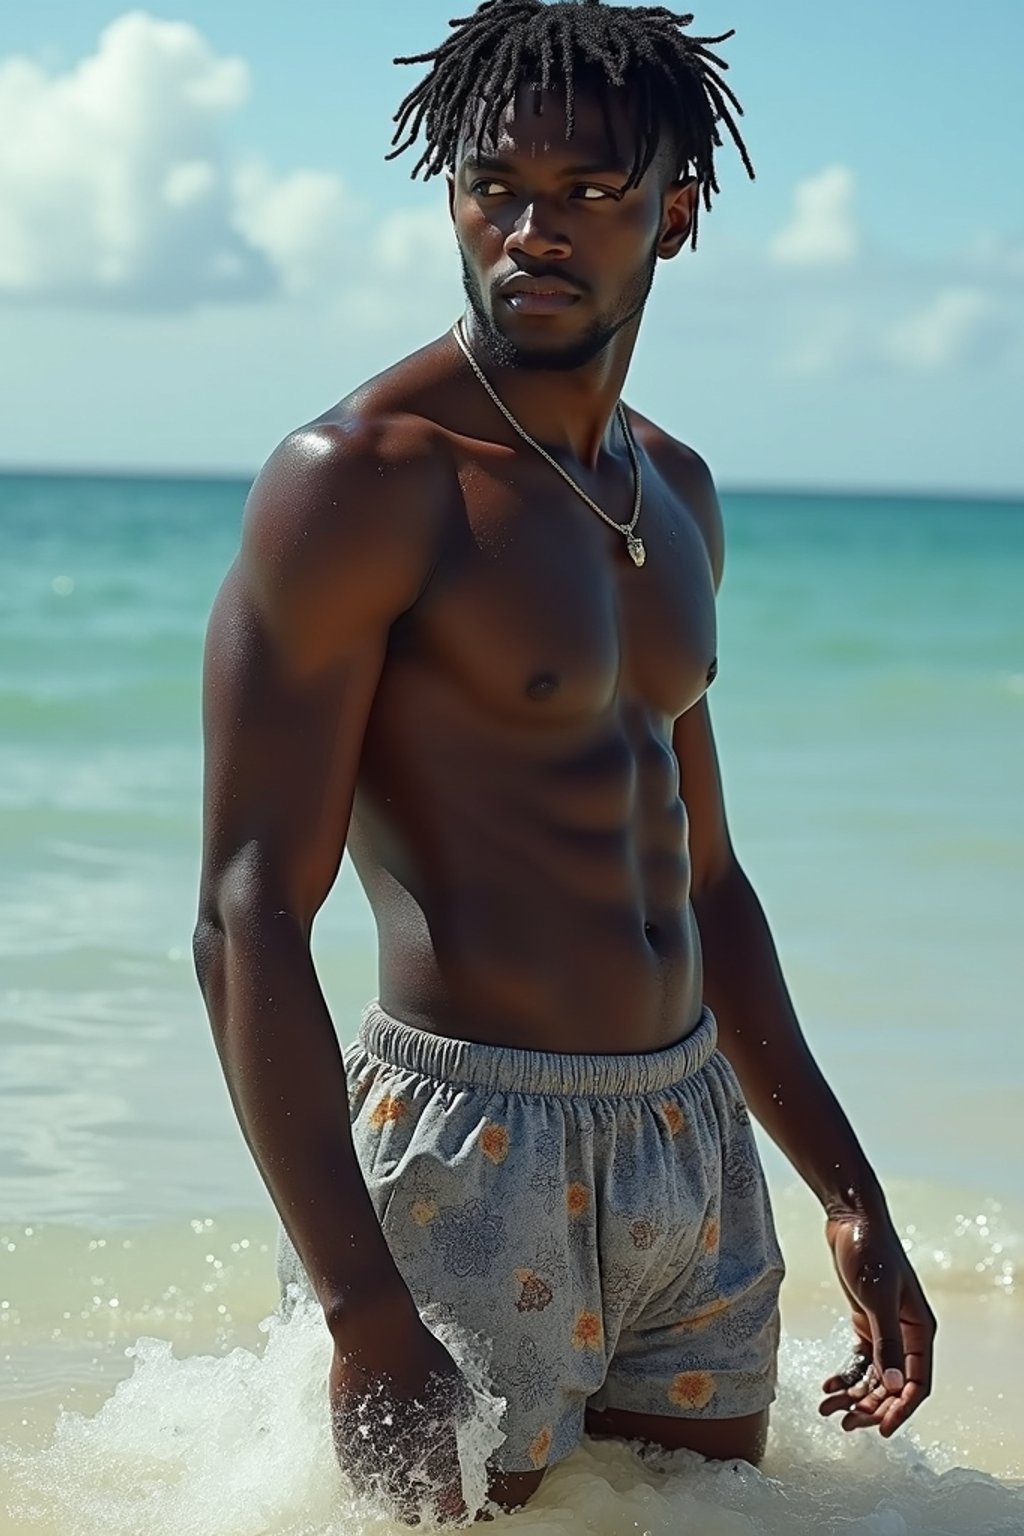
506,353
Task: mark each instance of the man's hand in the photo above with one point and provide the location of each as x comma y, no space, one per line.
890,1372
396,1398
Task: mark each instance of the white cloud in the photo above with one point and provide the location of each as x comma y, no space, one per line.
954,327
118,189
417,240
300,221
114,186
189,181
823,230
997,256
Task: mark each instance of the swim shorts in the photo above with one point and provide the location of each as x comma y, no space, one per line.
601,1221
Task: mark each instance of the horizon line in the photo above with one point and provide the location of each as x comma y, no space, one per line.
726,488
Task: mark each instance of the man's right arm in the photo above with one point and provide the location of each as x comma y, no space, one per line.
337,541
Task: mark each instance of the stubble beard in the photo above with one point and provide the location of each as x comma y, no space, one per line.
504,352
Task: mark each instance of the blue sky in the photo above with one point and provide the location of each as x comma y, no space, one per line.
201,245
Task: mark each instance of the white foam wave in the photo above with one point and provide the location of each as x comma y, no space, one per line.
239,1445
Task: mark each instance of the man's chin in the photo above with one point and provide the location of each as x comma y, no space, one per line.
554,356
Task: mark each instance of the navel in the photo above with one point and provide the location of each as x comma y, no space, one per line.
542,686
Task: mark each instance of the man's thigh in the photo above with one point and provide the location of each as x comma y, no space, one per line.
719,1439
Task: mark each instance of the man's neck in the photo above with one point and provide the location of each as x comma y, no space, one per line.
572,411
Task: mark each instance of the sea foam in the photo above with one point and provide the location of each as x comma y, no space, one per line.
240,1445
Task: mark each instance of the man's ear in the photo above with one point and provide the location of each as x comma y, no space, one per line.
450,179
679,204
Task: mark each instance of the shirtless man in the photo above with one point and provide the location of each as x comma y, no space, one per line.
469,634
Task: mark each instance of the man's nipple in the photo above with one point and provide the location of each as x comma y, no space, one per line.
712,673
542,686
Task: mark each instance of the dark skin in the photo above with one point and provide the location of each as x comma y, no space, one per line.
431,650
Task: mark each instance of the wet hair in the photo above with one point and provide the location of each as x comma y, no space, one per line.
672,83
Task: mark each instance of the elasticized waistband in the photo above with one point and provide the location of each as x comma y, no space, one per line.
507,1069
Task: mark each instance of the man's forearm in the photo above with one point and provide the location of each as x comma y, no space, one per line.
760,1035
287,1082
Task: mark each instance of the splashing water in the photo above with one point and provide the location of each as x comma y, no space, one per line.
240,1445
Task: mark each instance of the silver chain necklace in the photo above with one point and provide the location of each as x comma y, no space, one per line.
633,544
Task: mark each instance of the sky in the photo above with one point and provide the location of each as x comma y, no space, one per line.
202,246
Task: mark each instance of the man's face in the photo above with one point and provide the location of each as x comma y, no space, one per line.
537,208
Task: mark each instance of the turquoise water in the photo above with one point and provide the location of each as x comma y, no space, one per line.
870,716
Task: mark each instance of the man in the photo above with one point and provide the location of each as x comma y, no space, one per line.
469,633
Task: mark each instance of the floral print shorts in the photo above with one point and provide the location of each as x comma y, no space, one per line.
602,1221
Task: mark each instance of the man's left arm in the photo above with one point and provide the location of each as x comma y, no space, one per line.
890,1373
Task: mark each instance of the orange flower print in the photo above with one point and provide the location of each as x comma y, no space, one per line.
692,1389
588,1332
535,1294
540,1447
709,1238
389,1110
702,1319
494,1142
673,1117
577,1199
423,1212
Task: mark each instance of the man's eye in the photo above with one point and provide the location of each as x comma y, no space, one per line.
599,193
485,188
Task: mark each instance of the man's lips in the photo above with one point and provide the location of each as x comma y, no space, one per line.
538,295
540,303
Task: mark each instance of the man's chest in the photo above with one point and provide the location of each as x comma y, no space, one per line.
536,602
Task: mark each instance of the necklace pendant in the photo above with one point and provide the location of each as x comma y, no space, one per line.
636,549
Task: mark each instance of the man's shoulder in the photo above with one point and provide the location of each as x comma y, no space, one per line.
357,459
376,453
358,497
690,479
361,471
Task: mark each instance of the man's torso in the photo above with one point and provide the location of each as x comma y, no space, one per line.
517,824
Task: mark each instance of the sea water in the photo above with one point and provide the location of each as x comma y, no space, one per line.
869,712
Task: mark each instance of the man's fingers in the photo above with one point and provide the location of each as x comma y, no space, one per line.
882,1410
868,1410
889,1360
912,1396
435,1489
851,1397
889,1375
414,1472
861,1402
444,1483
852,1372
887,1337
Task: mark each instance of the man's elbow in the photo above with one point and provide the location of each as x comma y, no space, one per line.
208,939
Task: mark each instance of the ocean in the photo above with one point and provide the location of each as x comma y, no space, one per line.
869,711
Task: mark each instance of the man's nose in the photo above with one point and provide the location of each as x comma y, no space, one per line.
537,233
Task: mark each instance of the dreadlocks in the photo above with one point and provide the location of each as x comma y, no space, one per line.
673,81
